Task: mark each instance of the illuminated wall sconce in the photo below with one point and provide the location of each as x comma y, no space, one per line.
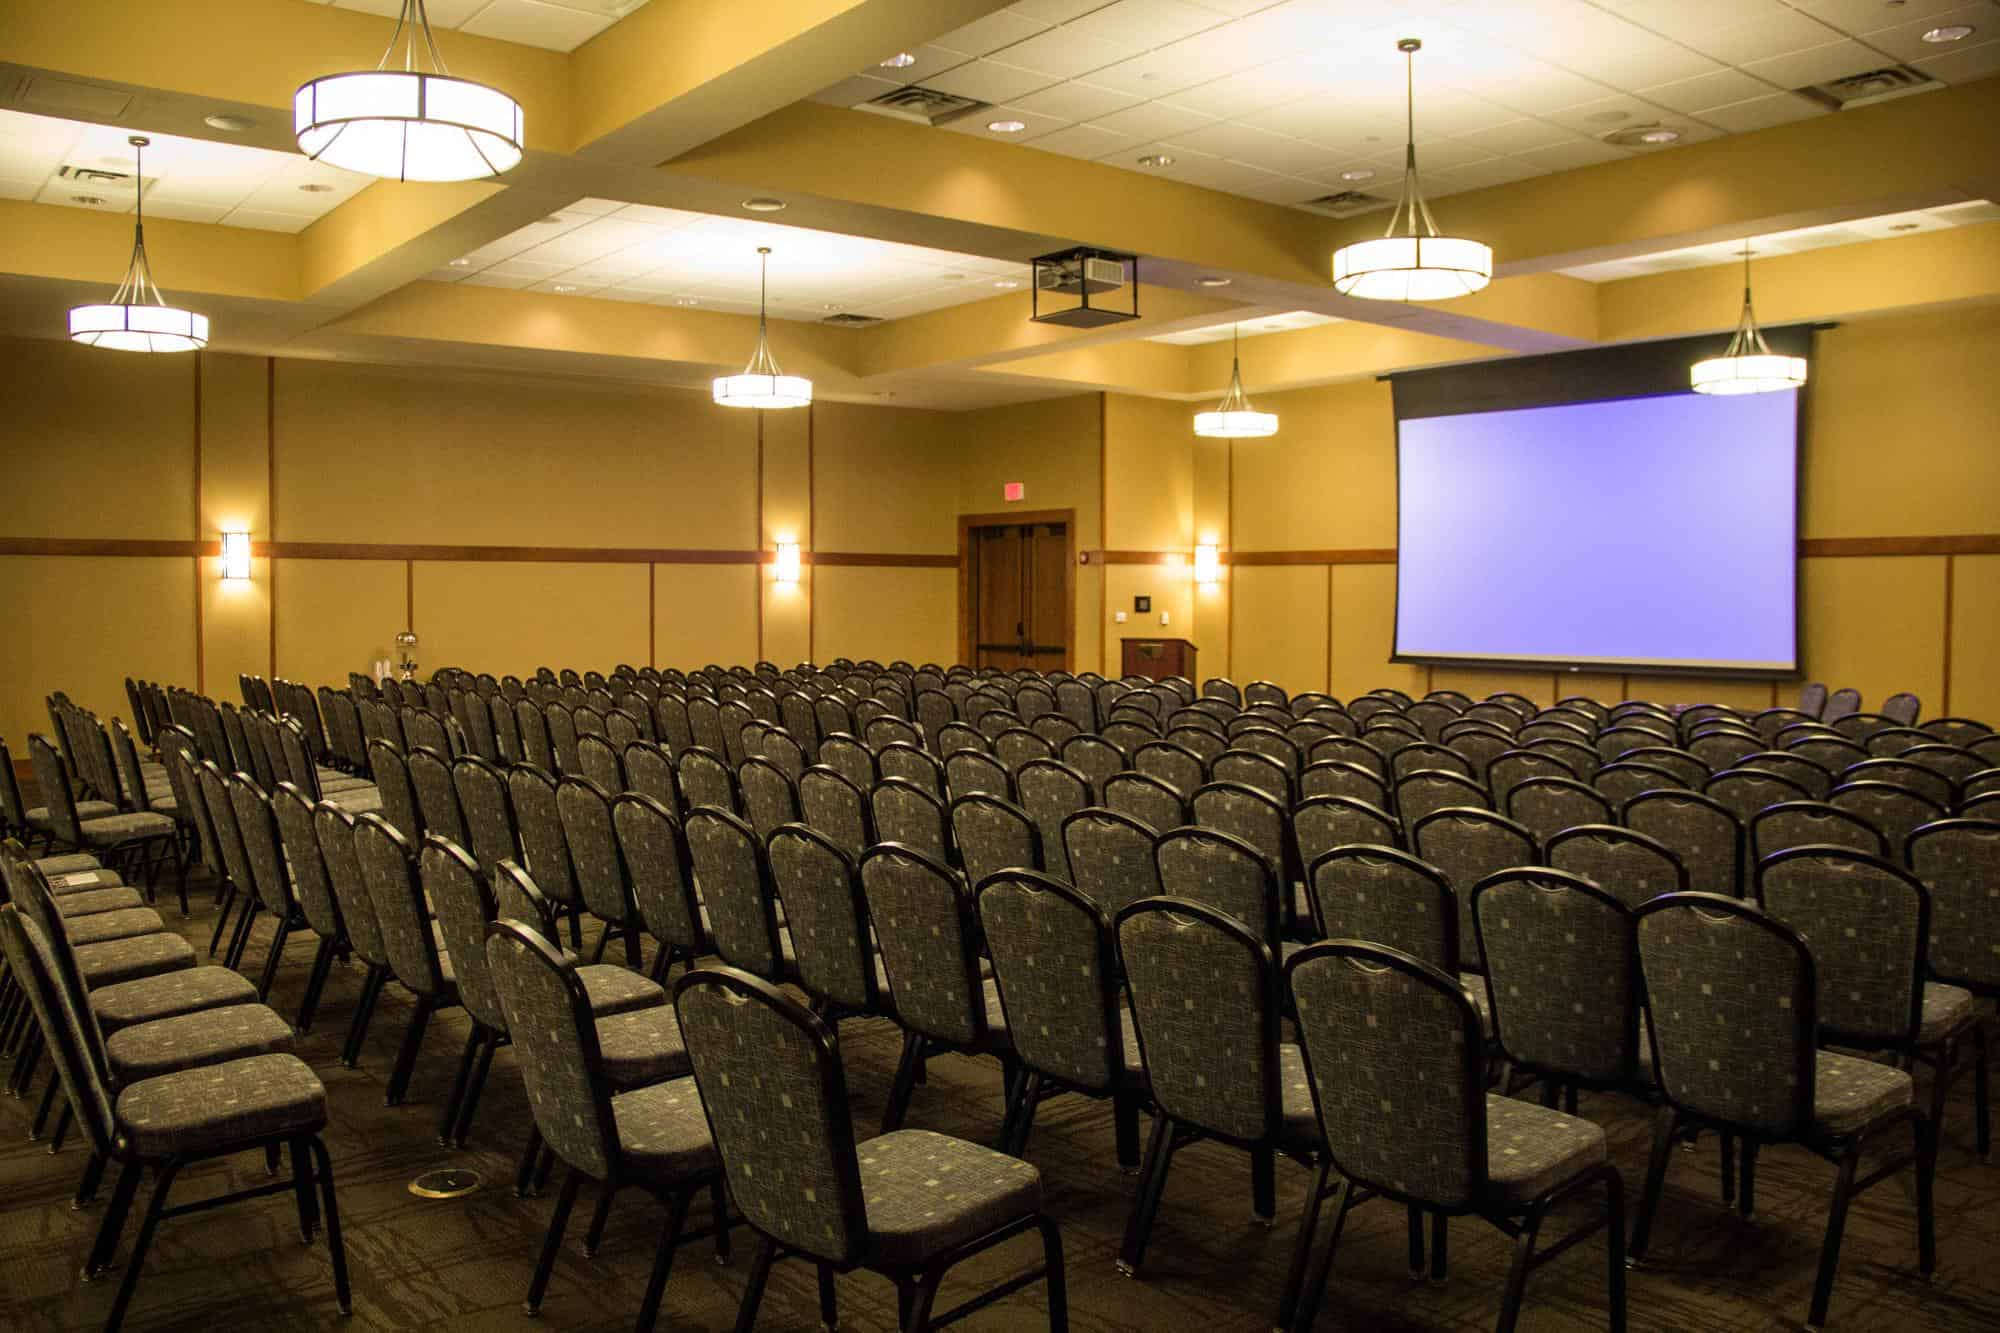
785,567
1207,565
235,556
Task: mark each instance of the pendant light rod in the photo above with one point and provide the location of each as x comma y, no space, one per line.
761,384
1234,418
1747,365
422,23
137,318
1412,203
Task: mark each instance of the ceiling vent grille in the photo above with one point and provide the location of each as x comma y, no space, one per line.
76,175
924,106
1345,204
1877,85
843,320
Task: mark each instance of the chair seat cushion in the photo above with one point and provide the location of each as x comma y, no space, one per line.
114,961
93,902
113,830
242,1101
190,991
102,926
1850,1094
1530,1149
926,1193
1299,1125
663,1133
191,1041
82,881
642,1047
38,818
331,782
1945,1009
359,801
612,989
71,863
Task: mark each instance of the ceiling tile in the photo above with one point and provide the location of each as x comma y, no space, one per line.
1518,136
1978,62
976,123
990,33
1083,141
1818,64
1759,113
533,23
1152,120
18,188
1056,11
1257,148
1564,157
855,90
1150,22
1478,176
1241,94
989,81
1905,40
1762,38
494,280
656,217
592,240
1683,19
249,217
1157,73
178,211
1707,90
443,13
592,208
1866,16
1075,101
1541,88
1062,54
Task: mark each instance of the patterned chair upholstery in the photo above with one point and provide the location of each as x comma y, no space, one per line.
1394,1064
993,834
1896,812
1734,1001
827,918
902,760
650,771
1511,768
733,874
770,797
1700,830
1322,823
388,865
1547,806
706,779
1096,759
1050,791
1812,823
777,1101
970,772
1179,767
1147,799
1630,866
1466,846
1224,872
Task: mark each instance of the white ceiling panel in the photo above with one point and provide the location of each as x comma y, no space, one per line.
1762,38
1759,113
1818,64
989,34
978,122
558,25
1084,141
1884,227
989,81
1905,40
1696,95
1153,120
1062,54
1075,101
1979,62
1145,23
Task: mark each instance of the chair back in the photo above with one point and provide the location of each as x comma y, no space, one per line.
1054,960
555,1043
31,959
333,828
1701,830
1810,824
910,816
1958,861
1733,1000
1322,823
649,770
923,919
1395,1059
389,868
993,834
597,758
1386,897
660,873
828,918
1466,846
1547,806
1562,970
257,827
1631,866
1896,812
706,779
391,773
487,807
770,1078
221,809
457,889
1219,870
1868,922
538,817
1205,1005
1147,799
1050,792
594,856
770,798
730,867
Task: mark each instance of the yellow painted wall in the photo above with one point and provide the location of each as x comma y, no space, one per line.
337,616
516,617
81,624
1975,636
885,613
1281,625
704,614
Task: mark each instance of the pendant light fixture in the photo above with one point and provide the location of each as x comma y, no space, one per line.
138,318
1747,365
762,384
1234,418
1411,261
409,124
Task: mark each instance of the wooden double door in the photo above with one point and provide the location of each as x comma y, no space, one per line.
1018,582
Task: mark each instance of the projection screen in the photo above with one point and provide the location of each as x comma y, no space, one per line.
1656,531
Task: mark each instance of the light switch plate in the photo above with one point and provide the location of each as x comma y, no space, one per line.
1120,617
1163,617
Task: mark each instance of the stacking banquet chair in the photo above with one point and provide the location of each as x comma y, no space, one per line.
655,1137
1958,861
1050,791
131,837
734,872
992,834
1868,921
1322,823
1055,963
1699,829
1812,824
927,930
168,1121
1734,1002
827,918
312,886
1206,1007
1392,1058
1630,866
257,828
661,879
598,864
777,1107
1467,845
388,865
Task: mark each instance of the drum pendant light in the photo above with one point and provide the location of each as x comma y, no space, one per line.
1234,418
138,318
762,384
409,124
1747,365
1411,261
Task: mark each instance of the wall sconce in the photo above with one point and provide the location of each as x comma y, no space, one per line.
1207,565
235,556
785,566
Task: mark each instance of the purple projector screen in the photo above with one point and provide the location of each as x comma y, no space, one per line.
1658,532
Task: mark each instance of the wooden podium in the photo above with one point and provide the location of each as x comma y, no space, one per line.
1156,659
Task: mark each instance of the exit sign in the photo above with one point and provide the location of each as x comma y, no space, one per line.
1014,491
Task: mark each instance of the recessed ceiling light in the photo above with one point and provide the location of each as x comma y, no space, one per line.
1157,160
1646,136
686,300
554,220
314,187
1007,284
233,124
461,263
760,204
828,305
1006,126
1660,135
1213,282
1951,32
901,60
89,200
1902,226
1358,174
563,288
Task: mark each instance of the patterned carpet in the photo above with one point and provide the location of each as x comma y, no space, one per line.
464,1263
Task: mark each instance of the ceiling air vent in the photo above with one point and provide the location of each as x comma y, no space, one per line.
924,106
843,320
1345,204
1877,85
76,175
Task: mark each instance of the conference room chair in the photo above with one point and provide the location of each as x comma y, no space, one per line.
388,865
850,758
1050,792
1448,1146
992,834
1478,744
132,838
770,796
1171,763
1622,779
603,884
1789,824
1546,806
763,1060
1150,801
908,815
1350,750
1721,750
1831,753
1511,768
707,779
237,886
1580,757
1055,729
1338,777
831,803
1465,845
927,934
1700,830
1322,823
967,772
827,916
654,1137
1902,708
1017,745
312,889
1868,921
1388,897
263,1103
1734,999
1745,791
1957,762
904,761
1427,756
1892,741
1917,777
390,771
1893,810
271,876
1812,698
1365,708
1963,731
1840,703
1427,791
1808,774
733,875
1958,862
887,730
1631,866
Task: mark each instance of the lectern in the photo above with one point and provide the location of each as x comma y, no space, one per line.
1157,659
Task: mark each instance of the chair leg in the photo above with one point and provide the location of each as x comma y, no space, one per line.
524,1176
1295,1275
113,1222
41,1120
140,1246
1415,1222
1656,1178
718,1198
240,940
1980,1107
1517,1274
1028,1096
1441,1236
86,1186
63,1122
473,1041
1146,1203
917,1319
1728,1168
364,1010
565,1200
829,1300
1316,1276
470,1104
1746,1201
271,961
753,1290
1264,1185
302,1189
336,1249
1927,1151
663,1262
1836,1226
905,1083
315,984
1614,1240
406,1059
598,1218
1125,1127
1057,1277
225,898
